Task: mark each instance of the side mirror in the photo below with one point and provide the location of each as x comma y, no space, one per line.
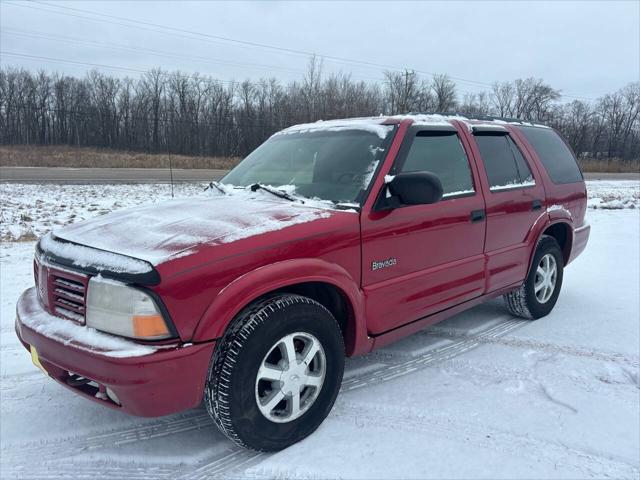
416,188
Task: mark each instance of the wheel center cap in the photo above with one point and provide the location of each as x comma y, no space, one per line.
291,383
293,378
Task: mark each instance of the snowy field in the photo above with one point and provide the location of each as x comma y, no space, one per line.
28,211
482,395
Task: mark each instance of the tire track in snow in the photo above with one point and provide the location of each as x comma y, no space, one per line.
226,466
601,386
438,354
589,463
384,373
394,366
89,470
220,466
76,445
575,351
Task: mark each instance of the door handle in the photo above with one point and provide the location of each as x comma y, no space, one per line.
477,216
536,205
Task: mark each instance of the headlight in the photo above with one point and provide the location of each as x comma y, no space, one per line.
116,308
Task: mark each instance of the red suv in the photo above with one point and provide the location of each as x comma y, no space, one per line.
330,240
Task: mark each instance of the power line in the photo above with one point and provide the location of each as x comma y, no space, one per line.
76,40
277,48
158,28
115,67
184,33
246,43
197,78
154,52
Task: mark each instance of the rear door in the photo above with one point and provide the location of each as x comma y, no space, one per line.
514,196
421,259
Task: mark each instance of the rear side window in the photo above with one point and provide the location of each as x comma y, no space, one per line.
505,165
554,154
442,154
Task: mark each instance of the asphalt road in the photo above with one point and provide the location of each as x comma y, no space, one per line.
104,175
612,176
158,175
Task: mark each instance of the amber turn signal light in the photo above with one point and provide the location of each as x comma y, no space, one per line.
149,326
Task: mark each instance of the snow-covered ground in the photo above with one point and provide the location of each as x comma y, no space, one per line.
28,211
482,395
613,194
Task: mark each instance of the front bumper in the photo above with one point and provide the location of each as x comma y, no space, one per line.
164,381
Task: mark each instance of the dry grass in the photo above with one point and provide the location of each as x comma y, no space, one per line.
78,157
613,165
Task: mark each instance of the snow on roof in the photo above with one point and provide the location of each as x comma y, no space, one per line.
470,122
487,127
367,124
523,123
428,119
380,125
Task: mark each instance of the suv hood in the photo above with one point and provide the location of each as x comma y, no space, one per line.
160,232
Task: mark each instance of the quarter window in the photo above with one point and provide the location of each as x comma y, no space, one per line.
441,153
554,154
505,165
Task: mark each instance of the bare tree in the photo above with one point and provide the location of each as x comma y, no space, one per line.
475,104
444,90
403,91
199,115
503,99
311,87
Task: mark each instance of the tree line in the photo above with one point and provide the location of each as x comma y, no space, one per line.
198,115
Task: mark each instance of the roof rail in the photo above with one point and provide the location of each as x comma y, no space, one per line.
487,118
507,119
444,114
495,117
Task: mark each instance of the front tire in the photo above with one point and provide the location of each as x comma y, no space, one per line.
276,372
539,293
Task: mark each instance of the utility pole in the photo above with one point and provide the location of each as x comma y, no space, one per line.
405,100
170,171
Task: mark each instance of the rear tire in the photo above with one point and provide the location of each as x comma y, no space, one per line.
538,294
276,373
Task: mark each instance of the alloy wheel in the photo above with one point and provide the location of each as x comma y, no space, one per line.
290,377
546,276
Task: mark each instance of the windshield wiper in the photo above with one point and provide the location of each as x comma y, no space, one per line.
274,191
217,186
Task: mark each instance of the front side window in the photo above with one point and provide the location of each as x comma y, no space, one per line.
505,165
441,153
330,164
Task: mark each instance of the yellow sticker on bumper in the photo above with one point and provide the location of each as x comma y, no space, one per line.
36,360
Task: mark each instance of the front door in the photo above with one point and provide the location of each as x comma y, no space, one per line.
421,259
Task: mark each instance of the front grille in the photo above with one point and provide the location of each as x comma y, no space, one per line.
62,292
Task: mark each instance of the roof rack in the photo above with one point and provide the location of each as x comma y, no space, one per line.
486,118
502,119
444,114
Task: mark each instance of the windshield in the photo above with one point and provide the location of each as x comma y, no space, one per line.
330,165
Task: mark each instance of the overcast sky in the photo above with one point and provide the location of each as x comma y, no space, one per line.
585,49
